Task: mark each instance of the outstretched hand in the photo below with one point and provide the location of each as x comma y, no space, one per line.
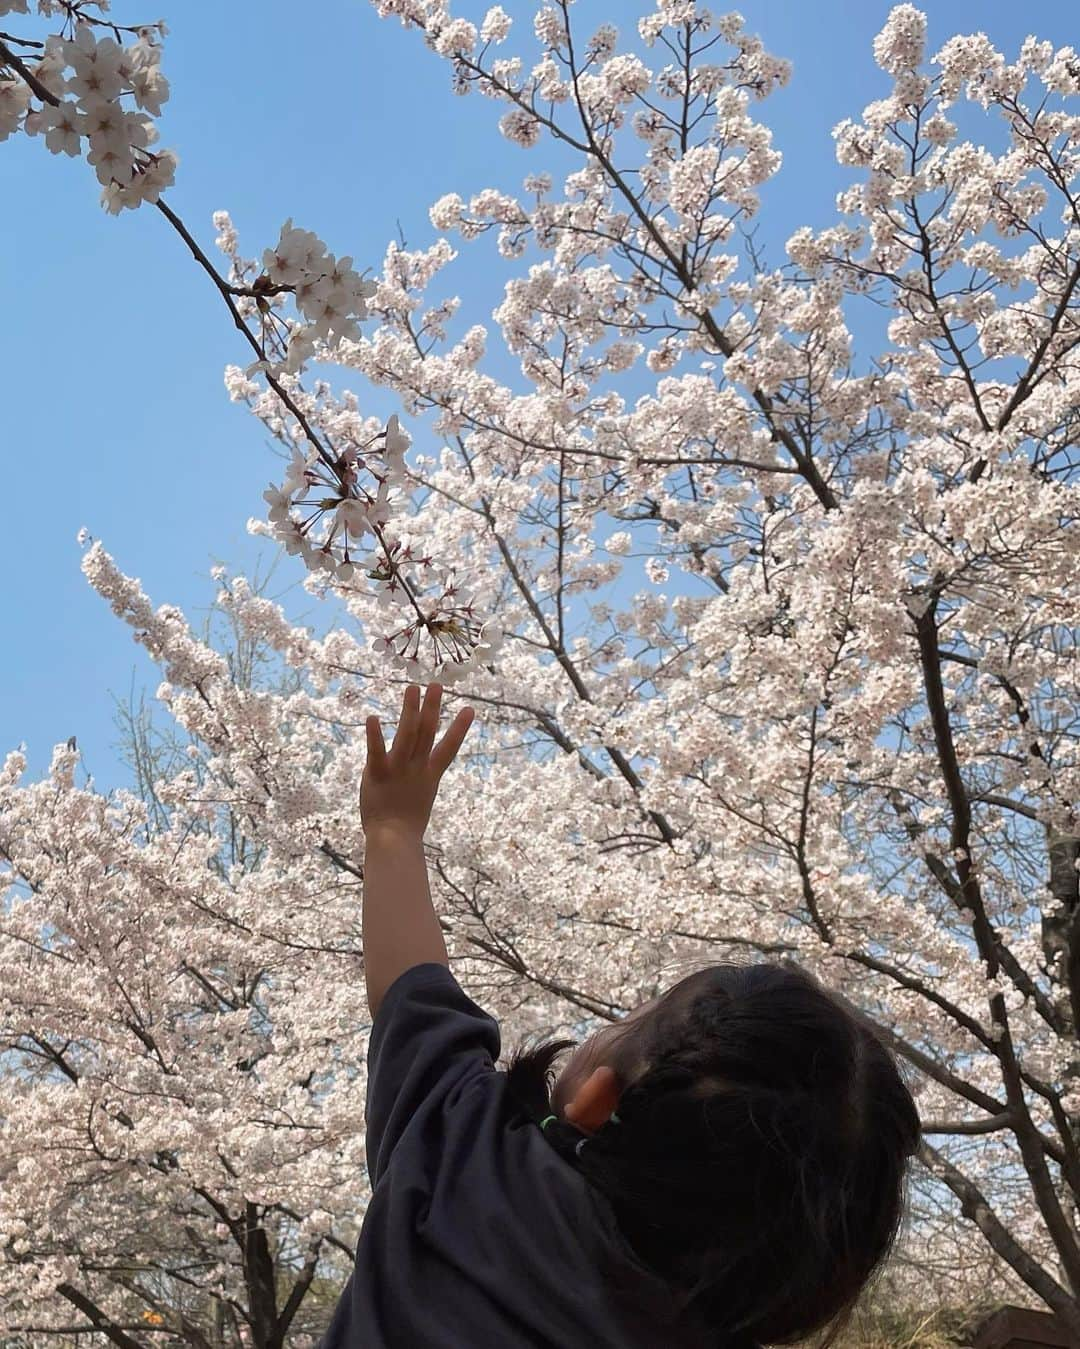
399,787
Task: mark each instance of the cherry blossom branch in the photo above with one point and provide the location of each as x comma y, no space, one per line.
976,1209
97,1317
590,147
455,637
990,1125
943,324
1028,380
1005,803
511,960
667,833
763,947
85,1329
8,58
391,568
806,464
300,1288
1027,986
556,647
697,550
1027,1135
183,1323
952,888
226,292
969,895
328,1239
916,985
76,15
1066,1156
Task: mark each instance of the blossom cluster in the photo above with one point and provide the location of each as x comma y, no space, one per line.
345,490
76,92
348,513
330,294
323,515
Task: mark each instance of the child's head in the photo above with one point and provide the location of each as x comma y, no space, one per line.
760,1157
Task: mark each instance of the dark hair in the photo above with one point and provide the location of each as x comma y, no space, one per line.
760,1161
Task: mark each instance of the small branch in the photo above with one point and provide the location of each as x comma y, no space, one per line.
8,58
992,799
964,1126
340,860
299,1289
22,41
226,294
109,1329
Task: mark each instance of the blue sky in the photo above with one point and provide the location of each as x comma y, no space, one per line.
114,343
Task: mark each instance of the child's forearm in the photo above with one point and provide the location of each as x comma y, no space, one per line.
401,928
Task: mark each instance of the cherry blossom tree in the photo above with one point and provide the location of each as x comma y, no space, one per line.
836,721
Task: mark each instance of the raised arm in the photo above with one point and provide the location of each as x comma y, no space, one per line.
398,790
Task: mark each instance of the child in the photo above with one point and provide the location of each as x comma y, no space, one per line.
726,1167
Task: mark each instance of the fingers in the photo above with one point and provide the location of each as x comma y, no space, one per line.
408,724
415,733
376,748
448,746
429,723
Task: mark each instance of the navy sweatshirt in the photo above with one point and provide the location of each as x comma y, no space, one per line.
478,1235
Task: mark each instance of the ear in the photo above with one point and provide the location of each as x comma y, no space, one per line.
594,1100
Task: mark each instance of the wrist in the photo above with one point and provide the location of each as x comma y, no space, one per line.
394,831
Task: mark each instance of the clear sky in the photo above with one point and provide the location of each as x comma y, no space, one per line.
114,343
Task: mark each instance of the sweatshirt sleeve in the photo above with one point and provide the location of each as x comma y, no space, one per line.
428,1040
